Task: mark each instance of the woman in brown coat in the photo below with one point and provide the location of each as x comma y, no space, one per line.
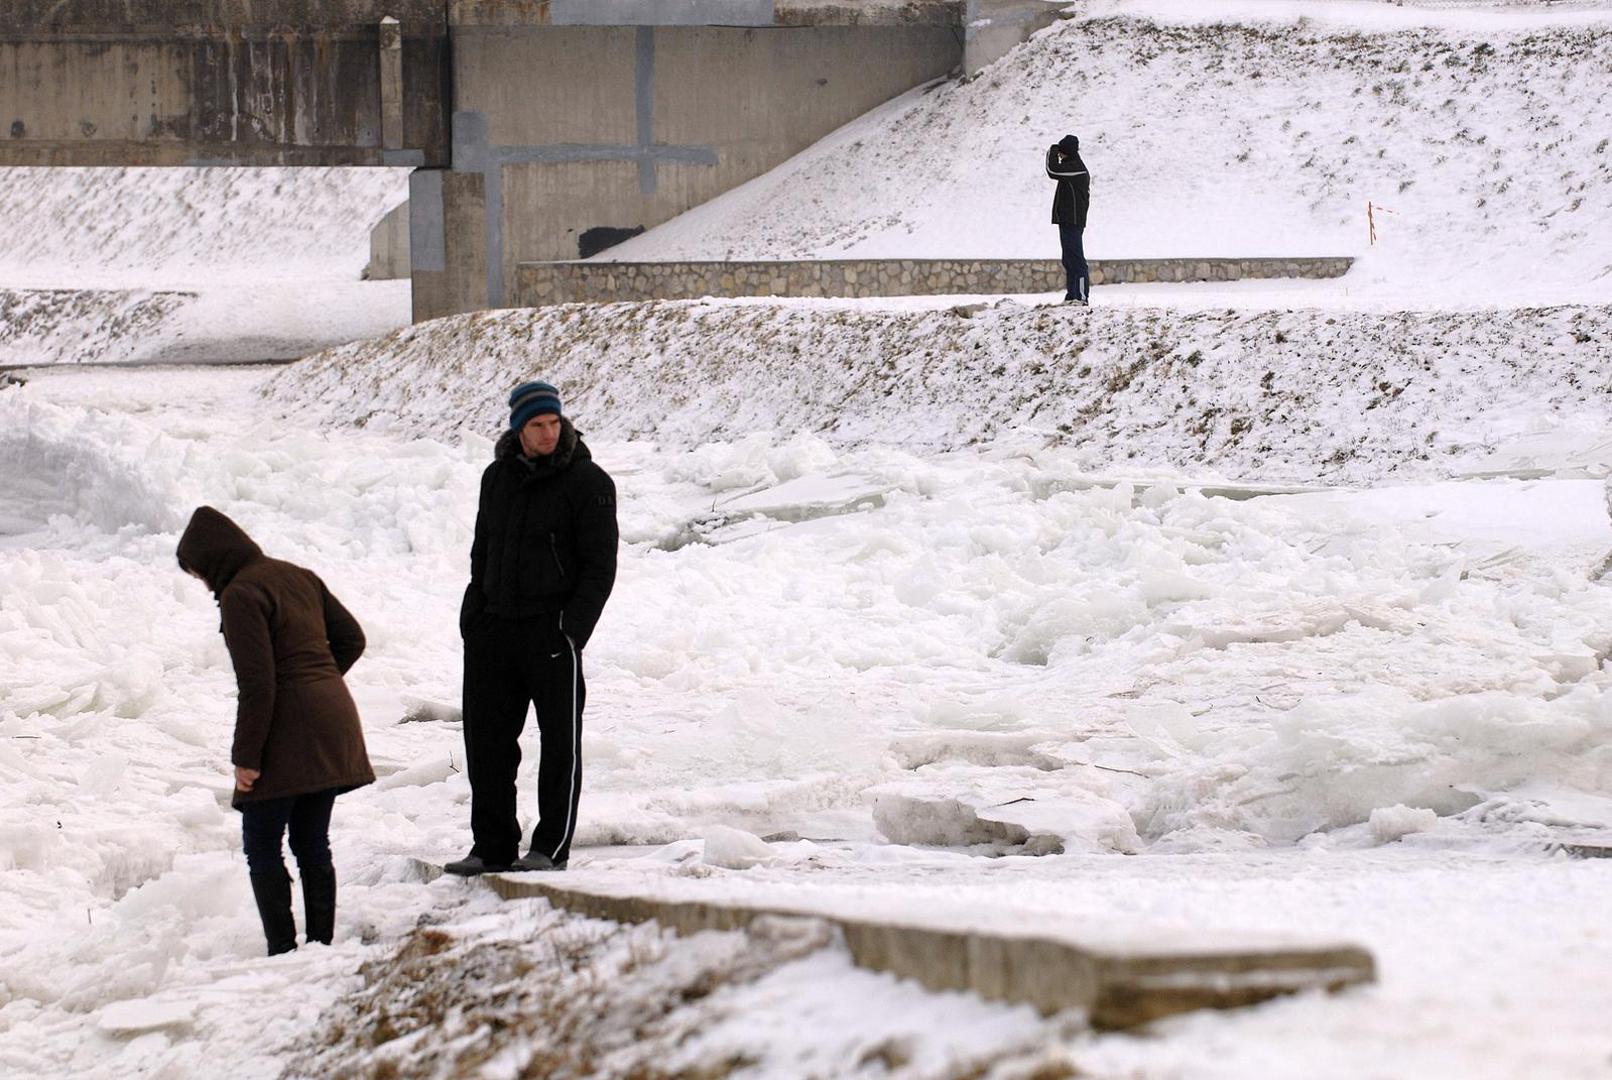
298,743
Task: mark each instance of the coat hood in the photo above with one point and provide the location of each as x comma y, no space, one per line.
216,548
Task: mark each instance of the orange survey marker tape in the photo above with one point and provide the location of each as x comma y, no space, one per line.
1371,221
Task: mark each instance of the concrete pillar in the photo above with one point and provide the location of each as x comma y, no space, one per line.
389,247
447,242
391,50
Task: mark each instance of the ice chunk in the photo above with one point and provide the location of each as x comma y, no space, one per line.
736,849
138,1017
975,747
807,497
1389,823
427,772
424,710
102,777
1044,812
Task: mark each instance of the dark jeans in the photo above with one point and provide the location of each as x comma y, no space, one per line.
1074,263
264,824
511,666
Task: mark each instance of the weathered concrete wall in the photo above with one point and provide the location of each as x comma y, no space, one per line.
617,126
389,247
608,282
201,82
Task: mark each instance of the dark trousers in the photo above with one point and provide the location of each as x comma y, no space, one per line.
510,666
1074,262
264,825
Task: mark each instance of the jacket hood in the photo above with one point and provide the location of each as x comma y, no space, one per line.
216,548
1069,144
570,449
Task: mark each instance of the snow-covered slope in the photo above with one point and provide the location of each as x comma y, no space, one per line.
104,265
84,227
1277,395
1228,129
84,326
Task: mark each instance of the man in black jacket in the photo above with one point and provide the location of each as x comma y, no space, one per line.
542,564
1069,204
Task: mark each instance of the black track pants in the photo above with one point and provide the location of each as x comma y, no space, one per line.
1078,275
508,667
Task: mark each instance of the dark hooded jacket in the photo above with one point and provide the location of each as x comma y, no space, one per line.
1073,196
291,642
545,543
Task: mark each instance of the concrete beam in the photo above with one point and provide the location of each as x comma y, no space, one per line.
756,13
947,13
210,17
1116,987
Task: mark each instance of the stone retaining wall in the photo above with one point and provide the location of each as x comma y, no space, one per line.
540,283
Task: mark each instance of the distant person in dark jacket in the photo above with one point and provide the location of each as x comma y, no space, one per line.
298,743
542,564
1069,205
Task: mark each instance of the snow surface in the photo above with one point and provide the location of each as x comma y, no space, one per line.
191,265
977,619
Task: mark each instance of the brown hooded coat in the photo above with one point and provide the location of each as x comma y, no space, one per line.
291,642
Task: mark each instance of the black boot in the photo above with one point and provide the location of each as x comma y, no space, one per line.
472,865
272,891
536,860
319,903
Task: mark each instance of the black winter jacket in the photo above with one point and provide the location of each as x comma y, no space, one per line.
545,543
1073,197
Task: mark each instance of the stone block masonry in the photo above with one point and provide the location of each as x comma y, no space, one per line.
540,283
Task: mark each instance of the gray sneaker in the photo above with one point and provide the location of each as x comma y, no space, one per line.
536,860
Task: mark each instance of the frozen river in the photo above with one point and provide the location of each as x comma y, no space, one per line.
981,682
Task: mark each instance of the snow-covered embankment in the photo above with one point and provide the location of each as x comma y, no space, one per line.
1272,395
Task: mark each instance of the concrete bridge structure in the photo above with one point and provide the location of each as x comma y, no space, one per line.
539,130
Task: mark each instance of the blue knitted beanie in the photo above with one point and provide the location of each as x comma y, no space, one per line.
530,399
